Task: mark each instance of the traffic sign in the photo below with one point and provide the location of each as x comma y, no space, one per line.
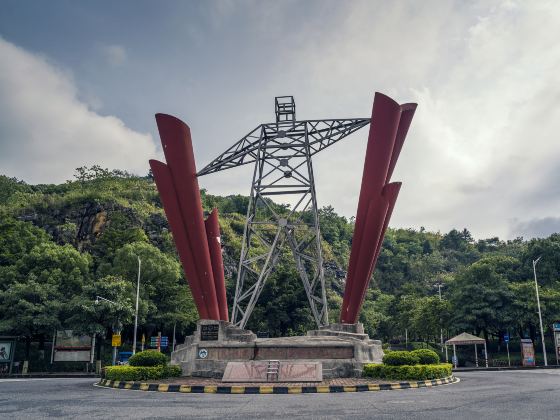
116,340
506,338
164,341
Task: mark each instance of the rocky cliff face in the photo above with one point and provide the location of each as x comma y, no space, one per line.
79,226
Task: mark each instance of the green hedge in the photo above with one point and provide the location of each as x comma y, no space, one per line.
148,358
140,373
400,373
426,356
400,358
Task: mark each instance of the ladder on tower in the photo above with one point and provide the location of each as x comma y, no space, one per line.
272,370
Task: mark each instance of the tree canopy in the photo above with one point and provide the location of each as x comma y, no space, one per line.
63,245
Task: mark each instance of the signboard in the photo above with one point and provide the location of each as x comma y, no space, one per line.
203,353
69,347
6,351
528,352
506,338
209,332
557,344
116,340
163,343
556,326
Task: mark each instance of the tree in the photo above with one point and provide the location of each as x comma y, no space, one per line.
89,317
548,268
480,295
30,308
101,318
41,283
163,289
18,239
429,315
376,315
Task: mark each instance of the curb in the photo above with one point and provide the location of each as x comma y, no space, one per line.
267,389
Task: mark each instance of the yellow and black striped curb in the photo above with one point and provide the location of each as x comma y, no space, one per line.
267,389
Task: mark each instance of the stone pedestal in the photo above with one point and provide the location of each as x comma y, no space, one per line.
342,349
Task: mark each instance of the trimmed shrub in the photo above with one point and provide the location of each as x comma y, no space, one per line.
140,373
401,373
173,371
148,358
400,358
426,356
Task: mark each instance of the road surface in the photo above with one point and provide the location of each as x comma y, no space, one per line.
479,395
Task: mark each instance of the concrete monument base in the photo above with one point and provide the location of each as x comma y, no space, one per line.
342,349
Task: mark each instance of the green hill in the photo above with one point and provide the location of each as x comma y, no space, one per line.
62,245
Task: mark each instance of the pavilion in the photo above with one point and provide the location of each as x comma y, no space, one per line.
465,339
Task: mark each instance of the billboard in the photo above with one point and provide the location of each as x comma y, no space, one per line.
528,352
6,351
69,347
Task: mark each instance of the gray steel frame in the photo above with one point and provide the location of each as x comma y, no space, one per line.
282,154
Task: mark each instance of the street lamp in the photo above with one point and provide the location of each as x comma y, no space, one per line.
97,299
539,307
137,298
438,285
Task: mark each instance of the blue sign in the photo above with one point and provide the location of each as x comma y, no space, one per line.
506,338
164,342
556,326
124,356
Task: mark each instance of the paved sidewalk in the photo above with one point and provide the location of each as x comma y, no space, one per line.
218,382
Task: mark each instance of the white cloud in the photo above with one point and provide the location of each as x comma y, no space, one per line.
47,131
114,55
483,148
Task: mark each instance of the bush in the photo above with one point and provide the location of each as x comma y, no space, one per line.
148,358
400,373
426,356
400,358
173,371
140,373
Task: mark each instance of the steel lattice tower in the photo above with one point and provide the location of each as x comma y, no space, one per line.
282,152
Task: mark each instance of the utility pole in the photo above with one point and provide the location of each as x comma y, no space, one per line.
116,327
438,285
539,307
137,298
441,328
406,338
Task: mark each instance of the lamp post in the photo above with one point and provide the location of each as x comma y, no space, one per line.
97,299
539,307
137,298
438,285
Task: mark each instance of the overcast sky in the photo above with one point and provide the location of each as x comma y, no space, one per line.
80,82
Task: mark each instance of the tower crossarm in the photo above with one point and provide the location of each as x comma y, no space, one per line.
243,152
321,134
324,133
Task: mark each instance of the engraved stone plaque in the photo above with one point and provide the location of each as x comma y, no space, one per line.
209,332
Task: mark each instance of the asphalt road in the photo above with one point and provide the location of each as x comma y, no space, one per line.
479,395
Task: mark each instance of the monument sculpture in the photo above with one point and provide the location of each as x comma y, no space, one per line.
282,155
